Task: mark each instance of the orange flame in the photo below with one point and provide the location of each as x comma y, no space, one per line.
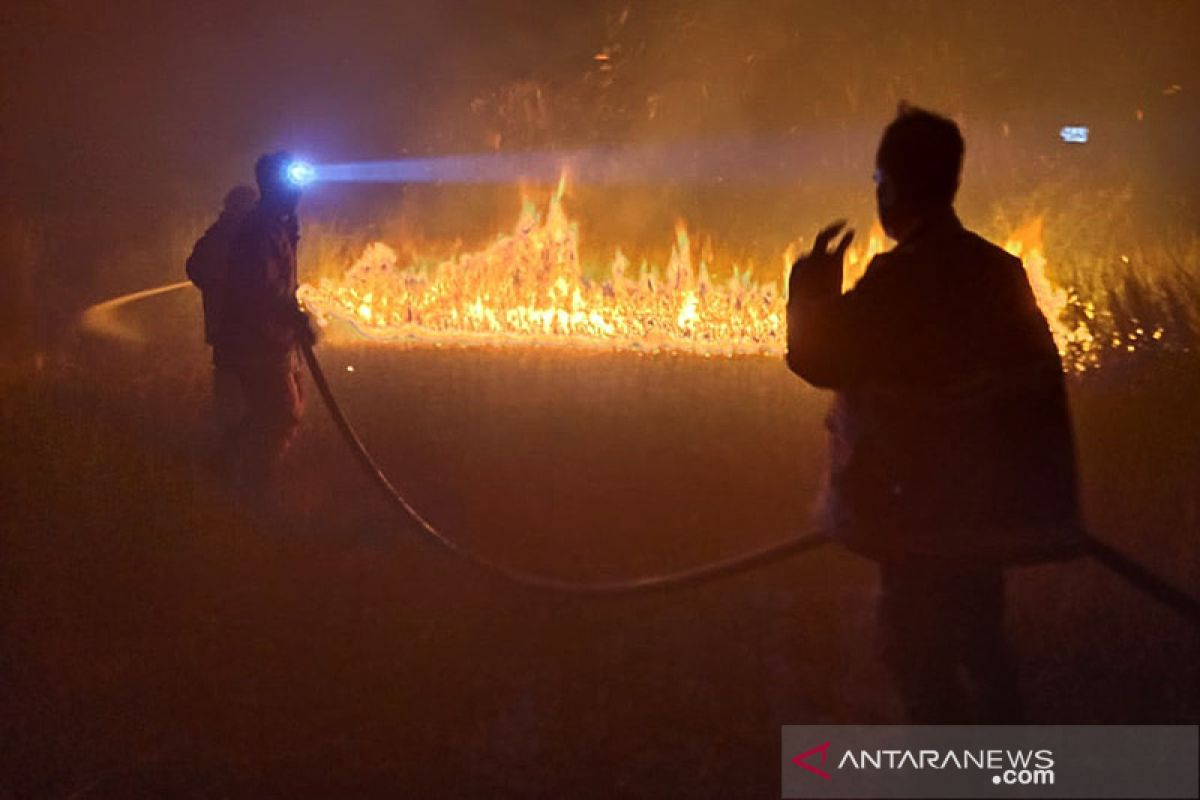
1055,301
529,287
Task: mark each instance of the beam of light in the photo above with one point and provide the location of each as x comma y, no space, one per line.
103,320
813,156
733,160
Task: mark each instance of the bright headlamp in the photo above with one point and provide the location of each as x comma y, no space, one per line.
300,173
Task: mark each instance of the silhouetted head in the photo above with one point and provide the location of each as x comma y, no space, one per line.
277,192
239,200
917,169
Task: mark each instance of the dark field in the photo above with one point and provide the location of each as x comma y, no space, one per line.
158,642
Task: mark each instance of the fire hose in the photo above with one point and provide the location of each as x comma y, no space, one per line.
1137,575
719,569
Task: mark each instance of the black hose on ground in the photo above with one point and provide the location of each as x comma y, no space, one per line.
1132,572
1144,580
691,577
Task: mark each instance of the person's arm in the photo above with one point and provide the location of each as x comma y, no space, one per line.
812,341
836,342
283,319
829,334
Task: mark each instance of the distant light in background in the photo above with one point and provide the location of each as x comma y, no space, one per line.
1074,134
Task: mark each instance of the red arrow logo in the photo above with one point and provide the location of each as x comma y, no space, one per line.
823,749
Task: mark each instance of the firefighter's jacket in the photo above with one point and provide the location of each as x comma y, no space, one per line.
950,436
208,266
261,318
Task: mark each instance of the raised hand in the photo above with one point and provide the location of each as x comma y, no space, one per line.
818,273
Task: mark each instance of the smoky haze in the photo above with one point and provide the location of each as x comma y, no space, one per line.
125,123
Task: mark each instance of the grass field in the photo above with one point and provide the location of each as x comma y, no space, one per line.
156,641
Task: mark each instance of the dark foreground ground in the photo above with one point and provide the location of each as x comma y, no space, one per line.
155,641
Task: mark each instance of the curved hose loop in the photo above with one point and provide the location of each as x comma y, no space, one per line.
1131,571
98,319
703,574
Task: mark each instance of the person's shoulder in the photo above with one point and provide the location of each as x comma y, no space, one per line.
983,250
997,272
882,280
249,222
262,229
878,270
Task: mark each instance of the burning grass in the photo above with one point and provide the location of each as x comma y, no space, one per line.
531,287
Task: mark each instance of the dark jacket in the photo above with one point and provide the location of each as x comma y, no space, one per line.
950,435
208,266
261,318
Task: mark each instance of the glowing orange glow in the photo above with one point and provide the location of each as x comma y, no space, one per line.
528,287
1026,244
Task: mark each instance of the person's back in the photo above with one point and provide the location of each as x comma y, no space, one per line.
208,265
950,424
261,316
951,451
